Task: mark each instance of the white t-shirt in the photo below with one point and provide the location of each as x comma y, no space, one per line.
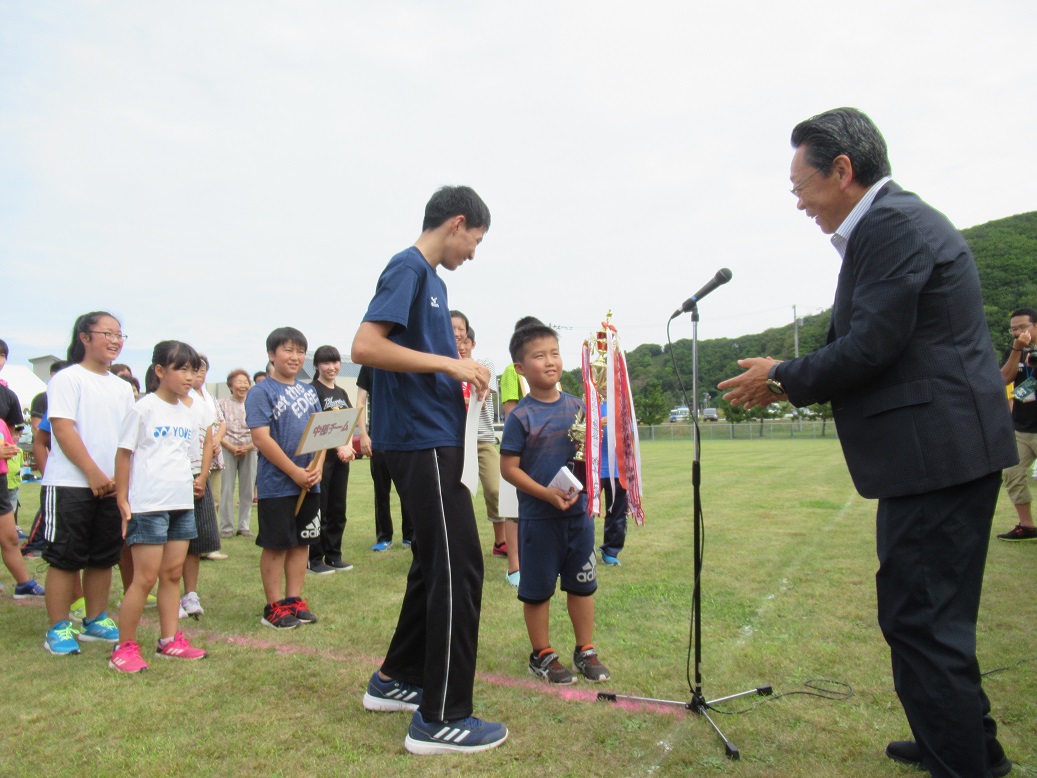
160,436
204,417
97,404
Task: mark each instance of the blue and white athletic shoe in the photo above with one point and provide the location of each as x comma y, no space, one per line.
61,639
391,695
382,545
28,589
100,629
458,736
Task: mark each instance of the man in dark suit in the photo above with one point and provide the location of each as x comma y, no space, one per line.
920,407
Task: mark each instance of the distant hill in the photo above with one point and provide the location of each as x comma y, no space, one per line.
1006,256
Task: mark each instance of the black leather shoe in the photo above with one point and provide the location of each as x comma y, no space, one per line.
907,752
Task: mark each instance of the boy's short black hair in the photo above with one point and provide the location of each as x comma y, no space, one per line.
283,335
525,321
451,201
326,354
3,349
524,335
458,315
471,334
258,376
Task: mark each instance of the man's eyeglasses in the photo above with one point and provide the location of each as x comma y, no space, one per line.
798,188
1020,327
111,337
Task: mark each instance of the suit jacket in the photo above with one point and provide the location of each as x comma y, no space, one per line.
909,367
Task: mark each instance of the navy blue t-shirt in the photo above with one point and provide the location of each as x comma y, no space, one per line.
538,433
416,411
285,409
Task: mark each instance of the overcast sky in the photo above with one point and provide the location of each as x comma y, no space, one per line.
208,171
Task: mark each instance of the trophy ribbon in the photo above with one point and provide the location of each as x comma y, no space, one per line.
592,439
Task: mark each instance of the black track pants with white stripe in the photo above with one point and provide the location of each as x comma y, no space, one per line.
437,635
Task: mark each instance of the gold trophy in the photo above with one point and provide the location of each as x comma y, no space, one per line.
599,375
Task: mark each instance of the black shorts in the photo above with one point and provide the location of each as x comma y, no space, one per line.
6,503
81,530
280,529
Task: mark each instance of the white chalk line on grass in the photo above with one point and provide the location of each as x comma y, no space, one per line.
747,631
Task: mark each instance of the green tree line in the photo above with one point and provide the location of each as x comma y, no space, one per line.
1006,258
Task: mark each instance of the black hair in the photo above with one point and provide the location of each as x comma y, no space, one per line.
471,334
462,317
170,354
3,349
76,349
451,201
283,335
132,381
523,335
258,376
525,321
844,131
116,367
1030,312
58,366
325,354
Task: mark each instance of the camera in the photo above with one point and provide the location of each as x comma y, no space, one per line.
1030,356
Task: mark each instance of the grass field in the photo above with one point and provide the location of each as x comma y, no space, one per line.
788,597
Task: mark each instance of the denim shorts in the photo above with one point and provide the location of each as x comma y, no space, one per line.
157,527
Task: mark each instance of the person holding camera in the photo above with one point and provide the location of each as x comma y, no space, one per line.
1021,367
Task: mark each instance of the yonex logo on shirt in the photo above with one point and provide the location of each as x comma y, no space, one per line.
176,432
435,301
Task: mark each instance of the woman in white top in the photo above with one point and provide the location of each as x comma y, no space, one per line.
239,457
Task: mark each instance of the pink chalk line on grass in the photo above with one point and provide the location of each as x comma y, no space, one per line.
574,693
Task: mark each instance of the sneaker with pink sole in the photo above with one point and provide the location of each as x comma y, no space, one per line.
126,658
179,648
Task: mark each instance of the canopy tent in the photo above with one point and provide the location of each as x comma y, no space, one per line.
23,382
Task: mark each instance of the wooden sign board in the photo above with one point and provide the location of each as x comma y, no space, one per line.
329,429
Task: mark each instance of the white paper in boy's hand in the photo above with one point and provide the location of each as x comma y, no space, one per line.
567,482
470,473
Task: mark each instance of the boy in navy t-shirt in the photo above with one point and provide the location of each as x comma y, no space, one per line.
556,536
407,337
277,411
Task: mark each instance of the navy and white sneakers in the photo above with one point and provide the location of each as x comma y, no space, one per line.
391,695
468,735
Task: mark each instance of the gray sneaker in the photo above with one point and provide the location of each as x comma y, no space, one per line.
589,666
317,567
550,669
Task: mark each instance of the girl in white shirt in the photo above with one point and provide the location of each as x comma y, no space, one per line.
155,493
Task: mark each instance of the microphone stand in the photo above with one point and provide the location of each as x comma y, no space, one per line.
698,703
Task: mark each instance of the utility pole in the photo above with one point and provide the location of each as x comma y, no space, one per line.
795,329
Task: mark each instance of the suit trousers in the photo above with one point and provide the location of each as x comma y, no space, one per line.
334,482
437,635
932,550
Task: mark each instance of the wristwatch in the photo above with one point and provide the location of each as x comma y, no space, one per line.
773,384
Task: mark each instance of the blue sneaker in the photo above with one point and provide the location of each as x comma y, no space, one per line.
101,629
30,588
391,695
458,736
61,639
513,578
382,545
608,559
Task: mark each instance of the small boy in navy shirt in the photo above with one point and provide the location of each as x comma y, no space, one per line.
556,536
277,411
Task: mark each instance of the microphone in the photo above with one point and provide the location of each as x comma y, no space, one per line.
722,277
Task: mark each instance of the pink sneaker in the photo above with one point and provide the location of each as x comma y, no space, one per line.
179,648
126,658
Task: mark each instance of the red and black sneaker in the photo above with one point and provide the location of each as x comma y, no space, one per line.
299,610
1019,532
279,615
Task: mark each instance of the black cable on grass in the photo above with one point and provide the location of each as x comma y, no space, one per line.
815,687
